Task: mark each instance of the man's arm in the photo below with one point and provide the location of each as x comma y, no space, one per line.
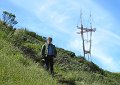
43,51
55,51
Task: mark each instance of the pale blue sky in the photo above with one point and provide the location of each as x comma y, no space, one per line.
59,18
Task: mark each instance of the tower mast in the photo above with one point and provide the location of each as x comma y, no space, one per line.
84,31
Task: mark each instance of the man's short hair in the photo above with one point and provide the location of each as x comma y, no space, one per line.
49,38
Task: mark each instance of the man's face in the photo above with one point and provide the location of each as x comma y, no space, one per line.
49,41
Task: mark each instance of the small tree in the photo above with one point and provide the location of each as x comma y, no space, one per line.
9,19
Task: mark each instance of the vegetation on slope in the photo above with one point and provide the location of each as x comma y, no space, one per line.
20,62
16,69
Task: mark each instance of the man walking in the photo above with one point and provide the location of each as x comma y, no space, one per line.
49,52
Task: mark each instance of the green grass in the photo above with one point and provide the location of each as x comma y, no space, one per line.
86,78
20,67
15,69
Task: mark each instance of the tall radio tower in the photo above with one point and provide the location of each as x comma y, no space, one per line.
86,36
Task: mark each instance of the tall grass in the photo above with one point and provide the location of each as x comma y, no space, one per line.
87,78
17,70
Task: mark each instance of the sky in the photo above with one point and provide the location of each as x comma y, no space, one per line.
59,18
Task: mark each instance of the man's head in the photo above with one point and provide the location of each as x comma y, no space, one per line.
49,40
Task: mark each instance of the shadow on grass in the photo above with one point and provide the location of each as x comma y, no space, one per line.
67,82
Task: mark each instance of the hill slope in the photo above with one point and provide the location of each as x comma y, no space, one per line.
15,69
20,62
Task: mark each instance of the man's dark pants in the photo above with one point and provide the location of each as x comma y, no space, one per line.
49,63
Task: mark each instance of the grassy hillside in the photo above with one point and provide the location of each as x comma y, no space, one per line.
20,63
15,69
